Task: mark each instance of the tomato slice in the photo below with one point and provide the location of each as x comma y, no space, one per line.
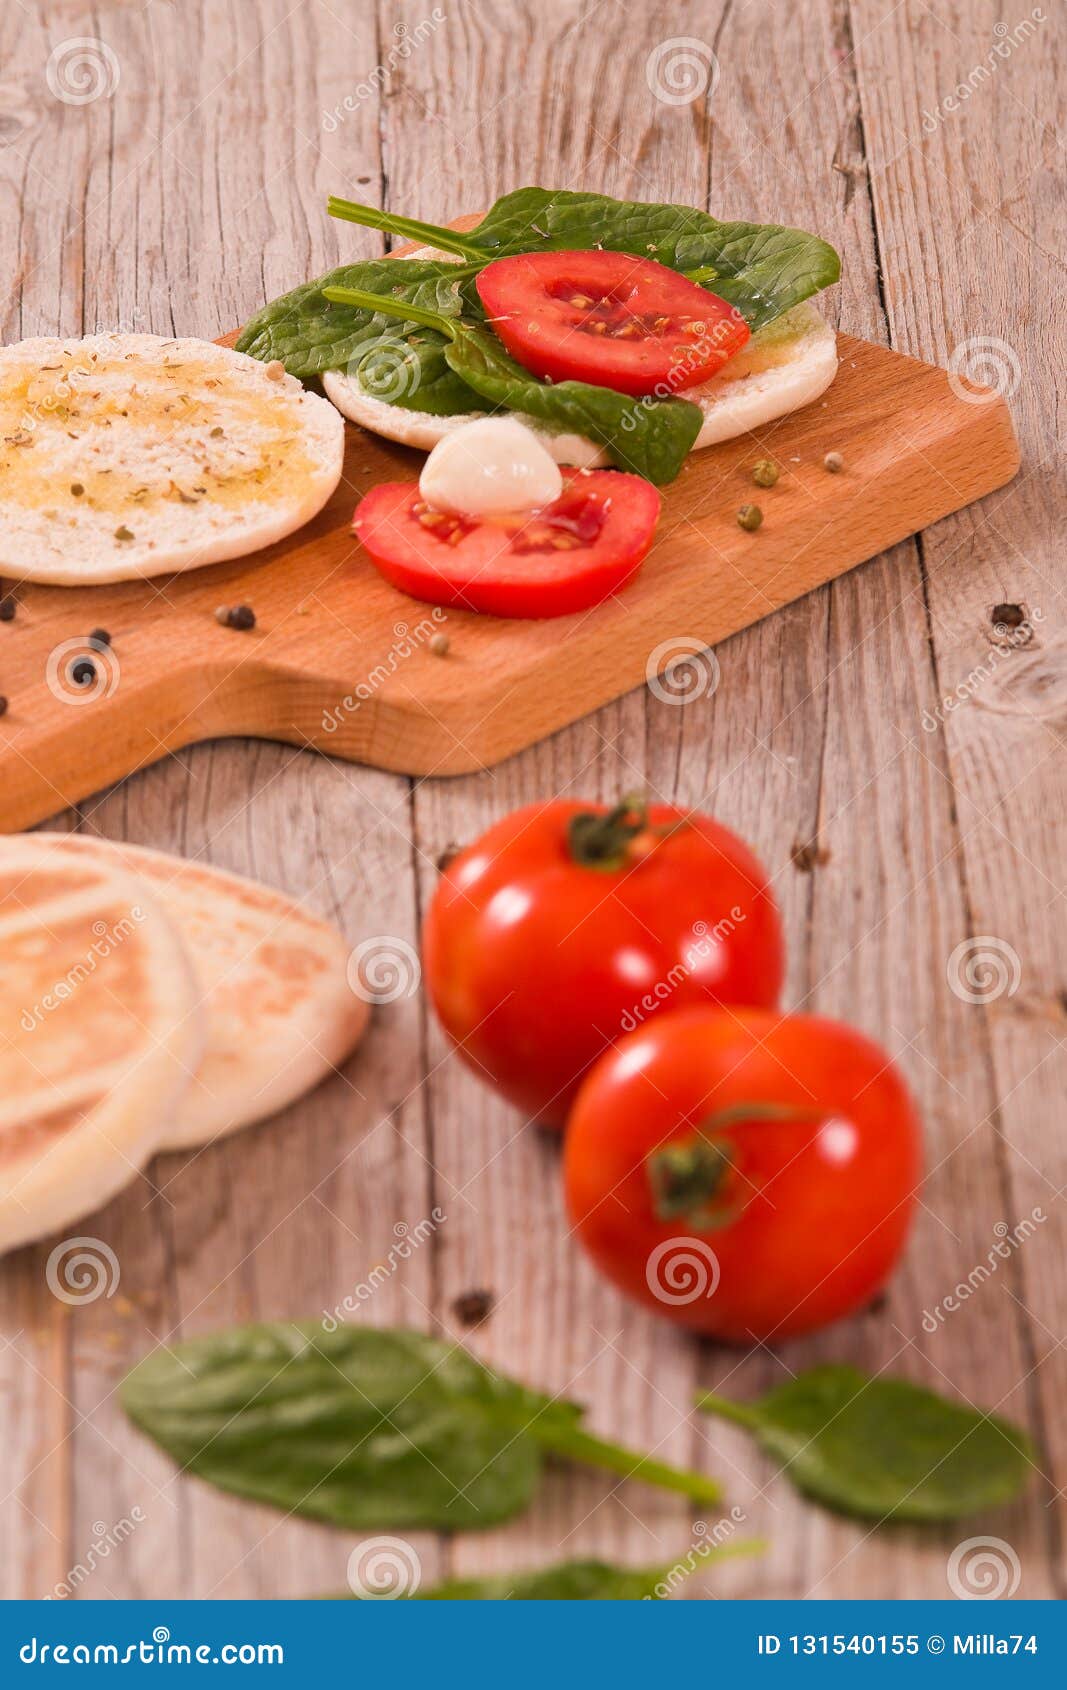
566,557
610,319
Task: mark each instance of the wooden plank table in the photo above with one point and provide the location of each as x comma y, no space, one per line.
893,758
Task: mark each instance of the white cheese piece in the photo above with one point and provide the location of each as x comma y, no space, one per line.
491,467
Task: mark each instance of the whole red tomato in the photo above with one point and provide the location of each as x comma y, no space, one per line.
567,925
749,1175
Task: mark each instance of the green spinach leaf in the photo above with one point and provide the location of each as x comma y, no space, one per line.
364,1428
649,437
581,1581
762,268
573,1581
883,1448
404,365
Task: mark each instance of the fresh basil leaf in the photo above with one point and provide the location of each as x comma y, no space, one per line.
309,334
647,437
366,1429
884,1448
762,268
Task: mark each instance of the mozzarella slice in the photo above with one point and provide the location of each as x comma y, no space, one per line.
129,455
493,466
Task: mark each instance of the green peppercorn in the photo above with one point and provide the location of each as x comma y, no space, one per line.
765,473
749,517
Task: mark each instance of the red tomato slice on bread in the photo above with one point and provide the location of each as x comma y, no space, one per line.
566,557
610,319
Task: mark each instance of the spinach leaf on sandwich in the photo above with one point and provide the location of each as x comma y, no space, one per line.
310,335
762,268
649,437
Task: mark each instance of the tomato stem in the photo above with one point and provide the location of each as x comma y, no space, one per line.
685,1177
602,840
572,1444
429,234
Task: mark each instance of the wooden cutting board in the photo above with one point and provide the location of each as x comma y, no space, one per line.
341,661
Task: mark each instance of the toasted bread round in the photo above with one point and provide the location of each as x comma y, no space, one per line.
273,982
100,1031
127,455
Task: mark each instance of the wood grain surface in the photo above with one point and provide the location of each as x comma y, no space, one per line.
893,753
341,661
